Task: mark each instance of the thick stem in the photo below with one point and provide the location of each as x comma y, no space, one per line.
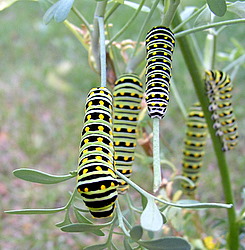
99,12
156,156
102,52
194,70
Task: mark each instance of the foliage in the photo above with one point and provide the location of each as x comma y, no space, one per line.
157,216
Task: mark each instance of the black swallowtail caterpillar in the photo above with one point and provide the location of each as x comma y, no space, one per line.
219,87
96,180
128,92
194,143
160,44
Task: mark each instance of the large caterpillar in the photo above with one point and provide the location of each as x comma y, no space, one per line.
160,44
128,92
219,87
194,144
96,180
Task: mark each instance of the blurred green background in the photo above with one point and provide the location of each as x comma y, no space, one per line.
44,80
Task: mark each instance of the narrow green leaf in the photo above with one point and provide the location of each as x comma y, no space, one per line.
151,218
63,10
143,201
218,7
136,232
36,211
97,247
6,3
203,18
168,243
37,176
83,227
81,218
66,220
238,8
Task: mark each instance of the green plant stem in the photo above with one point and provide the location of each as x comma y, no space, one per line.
127,24
188,19
102,52
150,196
111,10
156,156
146,21
99,12
194,70
168,17
82,18
204,27
178,98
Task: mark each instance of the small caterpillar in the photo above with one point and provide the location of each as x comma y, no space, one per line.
219,87
194,143
160,44
128,92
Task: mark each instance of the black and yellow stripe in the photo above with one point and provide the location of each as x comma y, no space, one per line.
128,92
160,44
96,180
219,87
194,143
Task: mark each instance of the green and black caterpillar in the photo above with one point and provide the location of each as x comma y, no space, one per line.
194,144
160,44
96,180
219,87
128,92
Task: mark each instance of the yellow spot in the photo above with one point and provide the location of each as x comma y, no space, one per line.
121,106
119,117
90,103
102,92
129,130
118,129
127,144
112,184
101,103
110,171
85,171
124,171
87,129
100,139
102,187
101,128
85,189
98,168
123,182
99,149
101,116
132,94
98,158
89,117
125,158
85,151
131,107
86,140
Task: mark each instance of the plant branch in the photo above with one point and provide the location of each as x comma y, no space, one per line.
194,70
204,27
127,24
82,18
99,12
156,156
